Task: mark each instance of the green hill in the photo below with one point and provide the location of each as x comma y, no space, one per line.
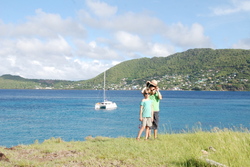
226,69
16,82
194,69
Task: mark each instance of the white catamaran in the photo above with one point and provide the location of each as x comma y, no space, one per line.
107,105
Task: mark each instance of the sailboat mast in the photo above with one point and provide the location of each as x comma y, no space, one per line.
104,79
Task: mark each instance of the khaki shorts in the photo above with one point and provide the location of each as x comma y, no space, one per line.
146,121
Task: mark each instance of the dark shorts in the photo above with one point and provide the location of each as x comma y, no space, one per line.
156,121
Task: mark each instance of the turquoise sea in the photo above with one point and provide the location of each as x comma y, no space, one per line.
29,115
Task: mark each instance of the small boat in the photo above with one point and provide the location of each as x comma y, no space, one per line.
106,105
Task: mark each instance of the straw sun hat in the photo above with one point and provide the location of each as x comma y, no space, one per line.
151,83
148,84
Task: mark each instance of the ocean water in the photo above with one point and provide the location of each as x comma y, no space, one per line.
29,115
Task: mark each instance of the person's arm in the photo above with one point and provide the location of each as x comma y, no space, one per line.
159,93
142,91
141,107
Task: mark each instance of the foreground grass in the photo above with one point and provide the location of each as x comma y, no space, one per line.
172,150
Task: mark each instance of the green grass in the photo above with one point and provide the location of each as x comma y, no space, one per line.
171,150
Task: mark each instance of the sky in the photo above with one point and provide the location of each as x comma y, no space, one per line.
79,39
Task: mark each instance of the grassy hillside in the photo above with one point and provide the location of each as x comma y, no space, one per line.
16,82
190,66
196,149
194,69
190,61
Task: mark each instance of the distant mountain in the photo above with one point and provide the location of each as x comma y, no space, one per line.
194,69
8,81
12,77
216,67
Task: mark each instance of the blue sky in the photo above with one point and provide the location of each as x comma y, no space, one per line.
79,39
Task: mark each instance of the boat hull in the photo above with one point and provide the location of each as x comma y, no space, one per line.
106,105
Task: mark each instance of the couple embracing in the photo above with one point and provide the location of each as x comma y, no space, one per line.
149,109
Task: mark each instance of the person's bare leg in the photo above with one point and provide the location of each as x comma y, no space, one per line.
147,132
155,133
140,132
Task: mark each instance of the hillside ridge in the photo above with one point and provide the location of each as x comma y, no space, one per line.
194,69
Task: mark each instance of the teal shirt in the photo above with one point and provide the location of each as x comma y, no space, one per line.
156,101
147,107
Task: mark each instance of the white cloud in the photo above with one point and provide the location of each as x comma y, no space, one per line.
92,50
101,9
188,37
46,59
235,7
34,46
160,50
31,57
48,46
92,44
242,44
43,47
24,61
128,41
139,23
43,25
136,47
133,31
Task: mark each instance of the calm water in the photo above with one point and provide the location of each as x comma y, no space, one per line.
27,115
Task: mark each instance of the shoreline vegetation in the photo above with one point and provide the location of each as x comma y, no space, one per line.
195,148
